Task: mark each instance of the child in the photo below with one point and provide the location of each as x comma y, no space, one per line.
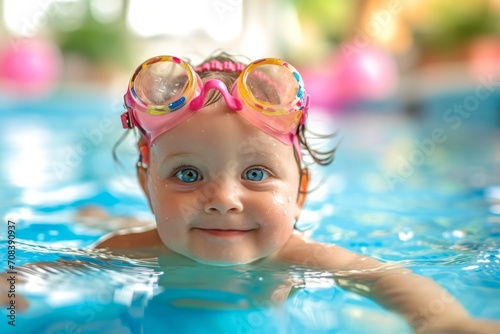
221,165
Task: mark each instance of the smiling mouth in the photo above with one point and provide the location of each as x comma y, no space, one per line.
224,233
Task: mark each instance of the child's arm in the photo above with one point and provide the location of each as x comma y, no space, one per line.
426,306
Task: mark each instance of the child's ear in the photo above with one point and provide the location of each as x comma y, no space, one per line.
303,186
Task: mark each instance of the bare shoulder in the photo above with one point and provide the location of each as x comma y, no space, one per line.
131,238
304,251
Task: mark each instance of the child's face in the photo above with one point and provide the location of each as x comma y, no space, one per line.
222,191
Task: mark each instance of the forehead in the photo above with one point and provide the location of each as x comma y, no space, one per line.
216,129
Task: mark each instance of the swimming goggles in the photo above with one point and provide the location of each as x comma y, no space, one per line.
164,91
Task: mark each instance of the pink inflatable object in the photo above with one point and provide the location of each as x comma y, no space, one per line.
369,74
484,57
29,67
363,74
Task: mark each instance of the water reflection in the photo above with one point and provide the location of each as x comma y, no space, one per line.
95,291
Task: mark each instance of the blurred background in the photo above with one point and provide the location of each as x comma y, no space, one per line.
385,64
375,48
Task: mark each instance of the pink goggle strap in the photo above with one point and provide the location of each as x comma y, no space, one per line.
215,65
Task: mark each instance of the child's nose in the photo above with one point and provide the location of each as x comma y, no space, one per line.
224,199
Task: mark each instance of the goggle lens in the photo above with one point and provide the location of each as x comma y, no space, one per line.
161,83
272,85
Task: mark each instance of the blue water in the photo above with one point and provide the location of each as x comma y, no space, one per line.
390,194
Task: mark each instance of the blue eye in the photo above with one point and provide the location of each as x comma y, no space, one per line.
188,175
256,174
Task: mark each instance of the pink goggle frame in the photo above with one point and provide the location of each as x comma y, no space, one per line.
165,91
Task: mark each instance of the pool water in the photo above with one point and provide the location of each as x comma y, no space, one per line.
417,191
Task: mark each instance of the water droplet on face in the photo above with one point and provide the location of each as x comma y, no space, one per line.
285,213
289,199
278,198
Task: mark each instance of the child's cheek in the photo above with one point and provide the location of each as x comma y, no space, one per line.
283,204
